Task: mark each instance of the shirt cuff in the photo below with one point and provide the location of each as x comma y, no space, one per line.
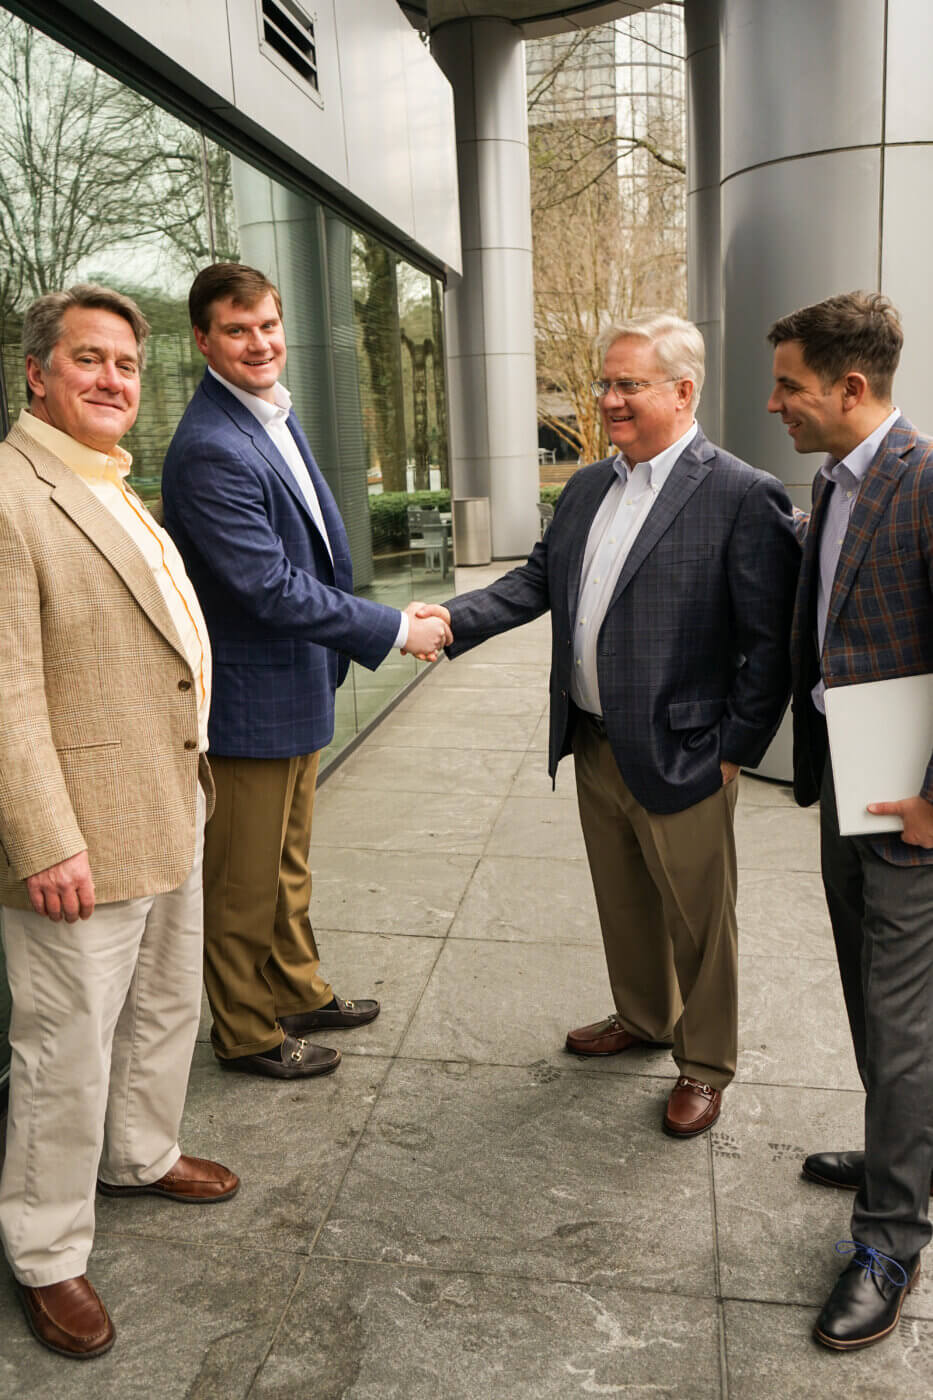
402,636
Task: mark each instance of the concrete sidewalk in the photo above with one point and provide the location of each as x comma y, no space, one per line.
465,1212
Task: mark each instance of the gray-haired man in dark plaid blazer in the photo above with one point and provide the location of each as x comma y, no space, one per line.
864,612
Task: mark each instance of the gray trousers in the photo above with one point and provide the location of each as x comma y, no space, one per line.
882,918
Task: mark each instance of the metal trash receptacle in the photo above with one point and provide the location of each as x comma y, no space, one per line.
472,533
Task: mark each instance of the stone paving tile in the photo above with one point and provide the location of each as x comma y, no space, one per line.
530,826
461,1336
764,792
772,1356
392,969
429,822
783,915
290,1142
384,891
771,838
526,1172
532,779
529,900
506,1003
457,772
478,670
500,732
776,1230
540,738
427,702
193,1322
792,1024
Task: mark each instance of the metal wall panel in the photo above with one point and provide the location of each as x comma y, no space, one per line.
374,105
908,186
383,135
792,234
799,76
909,97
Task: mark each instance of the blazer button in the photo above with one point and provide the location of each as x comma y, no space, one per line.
191,743
184,685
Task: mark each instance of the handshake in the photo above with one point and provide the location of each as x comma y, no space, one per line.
428,631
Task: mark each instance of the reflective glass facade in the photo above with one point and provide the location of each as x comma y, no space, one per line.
97,183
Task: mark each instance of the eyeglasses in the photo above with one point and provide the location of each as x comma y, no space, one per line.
626,387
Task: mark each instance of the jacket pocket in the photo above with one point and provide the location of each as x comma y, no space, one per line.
694,714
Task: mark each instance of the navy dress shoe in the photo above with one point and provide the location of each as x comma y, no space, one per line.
865,1304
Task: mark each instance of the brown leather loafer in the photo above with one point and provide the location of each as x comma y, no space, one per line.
68,1318
692,1107
344,1016
296,1059
608,1037
192,1180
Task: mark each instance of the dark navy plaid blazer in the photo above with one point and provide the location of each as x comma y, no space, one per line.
692,657
880,620
283,619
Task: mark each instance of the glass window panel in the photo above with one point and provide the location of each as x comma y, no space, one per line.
97,184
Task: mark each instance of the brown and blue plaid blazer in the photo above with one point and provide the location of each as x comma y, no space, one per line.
880,620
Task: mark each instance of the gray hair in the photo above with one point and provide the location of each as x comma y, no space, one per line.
677,344
42,323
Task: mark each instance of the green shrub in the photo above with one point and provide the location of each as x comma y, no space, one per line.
388,514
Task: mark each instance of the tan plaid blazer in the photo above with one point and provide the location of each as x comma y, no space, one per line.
98,707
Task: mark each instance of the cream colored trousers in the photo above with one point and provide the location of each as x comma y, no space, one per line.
105,1017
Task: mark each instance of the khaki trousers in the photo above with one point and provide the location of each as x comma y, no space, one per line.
260,957
665,890
105,1017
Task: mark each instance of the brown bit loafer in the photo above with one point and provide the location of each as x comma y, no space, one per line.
192,1180
68,1318
344,1016
608,1037
692,1107
293,1059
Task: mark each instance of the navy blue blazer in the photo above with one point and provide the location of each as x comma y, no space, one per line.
692,657
282,618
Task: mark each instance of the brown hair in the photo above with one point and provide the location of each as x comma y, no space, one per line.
244,285
42,322
853,331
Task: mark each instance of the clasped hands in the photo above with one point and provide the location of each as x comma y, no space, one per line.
428,631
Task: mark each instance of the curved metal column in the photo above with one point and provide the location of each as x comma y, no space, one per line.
704,283
490,314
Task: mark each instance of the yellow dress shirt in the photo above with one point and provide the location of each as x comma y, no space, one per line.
105,476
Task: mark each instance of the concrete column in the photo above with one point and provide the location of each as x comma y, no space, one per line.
490,313
704,257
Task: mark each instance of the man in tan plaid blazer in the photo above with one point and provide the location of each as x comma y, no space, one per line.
864,612
104,688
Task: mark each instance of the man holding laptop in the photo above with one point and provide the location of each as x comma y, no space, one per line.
864,612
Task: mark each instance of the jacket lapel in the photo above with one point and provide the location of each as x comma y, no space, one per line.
691,467
584,513
241,417
878,484
94,520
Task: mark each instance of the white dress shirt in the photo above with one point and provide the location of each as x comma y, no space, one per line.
105,476
847,477
621,515
274,418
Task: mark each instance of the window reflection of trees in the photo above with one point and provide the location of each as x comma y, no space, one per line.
98,184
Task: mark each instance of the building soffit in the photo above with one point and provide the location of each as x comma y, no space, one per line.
534,18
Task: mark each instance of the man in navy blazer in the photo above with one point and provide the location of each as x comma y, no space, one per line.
669,572
265,547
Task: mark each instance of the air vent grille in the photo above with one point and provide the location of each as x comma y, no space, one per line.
290,33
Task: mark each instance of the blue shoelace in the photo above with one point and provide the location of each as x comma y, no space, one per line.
873,1261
